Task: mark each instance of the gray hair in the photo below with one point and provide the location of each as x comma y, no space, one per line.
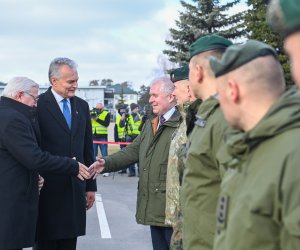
275,16
17,85
57,63
167,86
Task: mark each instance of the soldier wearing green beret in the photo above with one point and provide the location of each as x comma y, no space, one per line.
259,205
202,175
283,16
184,98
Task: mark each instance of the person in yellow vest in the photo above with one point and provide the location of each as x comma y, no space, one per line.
119,130
100,121
134,122
120,125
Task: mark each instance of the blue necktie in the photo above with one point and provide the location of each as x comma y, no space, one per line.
162,120
66,112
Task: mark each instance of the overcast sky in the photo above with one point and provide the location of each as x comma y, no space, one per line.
116,39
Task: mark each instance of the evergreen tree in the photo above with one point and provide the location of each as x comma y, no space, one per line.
144,96
94,83
257,28
200,19
106,82
121,101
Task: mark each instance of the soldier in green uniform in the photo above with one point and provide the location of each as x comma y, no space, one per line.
184,97
283,16
259,205
202,175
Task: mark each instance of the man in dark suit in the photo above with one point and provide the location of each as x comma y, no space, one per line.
21,159
65,127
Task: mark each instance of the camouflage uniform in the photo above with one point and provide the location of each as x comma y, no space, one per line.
172,183
174,174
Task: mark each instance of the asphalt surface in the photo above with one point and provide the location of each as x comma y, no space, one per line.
117,195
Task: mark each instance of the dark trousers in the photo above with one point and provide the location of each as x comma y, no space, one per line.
161,237
63,244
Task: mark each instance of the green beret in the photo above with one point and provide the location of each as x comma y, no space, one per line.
238,55
283,16
179,74
209,42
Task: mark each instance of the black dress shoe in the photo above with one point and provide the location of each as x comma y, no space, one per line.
131,175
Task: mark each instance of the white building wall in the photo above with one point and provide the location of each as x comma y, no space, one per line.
128,98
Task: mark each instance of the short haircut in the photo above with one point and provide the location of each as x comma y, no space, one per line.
55,65
167,86
19,84
203,59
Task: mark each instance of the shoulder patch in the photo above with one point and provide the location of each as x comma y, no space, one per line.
200,122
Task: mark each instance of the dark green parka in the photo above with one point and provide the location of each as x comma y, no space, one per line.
202,176
259,206
151,149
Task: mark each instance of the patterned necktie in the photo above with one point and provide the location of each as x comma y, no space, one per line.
162,120
66,112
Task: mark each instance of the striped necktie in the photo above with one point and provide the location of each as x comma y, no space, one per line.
162,120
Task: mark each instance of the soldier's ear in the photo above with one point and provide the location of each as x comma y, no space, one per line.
233,90
199,73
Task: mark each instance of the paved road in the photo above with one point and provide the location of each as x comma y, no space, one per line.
119,201
116,203
118,195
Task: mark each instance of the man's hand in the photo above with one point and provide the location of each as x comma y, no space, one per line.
83,172
40,183
97,167
123,117
90,198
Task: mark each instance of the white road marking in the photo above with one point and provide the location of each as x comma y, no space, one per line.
104,227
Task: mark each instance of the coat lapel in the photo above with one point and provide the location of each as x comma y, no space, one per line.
75,114
54,110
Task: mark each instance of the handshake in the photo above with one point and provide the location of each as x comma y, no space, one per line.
92,171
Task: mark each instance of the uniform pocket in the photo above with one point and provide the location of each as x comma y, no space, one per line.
157,200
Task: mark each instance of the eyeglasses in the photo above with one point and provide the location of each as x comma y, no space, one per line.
33,97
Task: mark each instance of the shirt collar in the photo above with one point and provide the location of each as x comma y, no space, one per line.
58,97
169,113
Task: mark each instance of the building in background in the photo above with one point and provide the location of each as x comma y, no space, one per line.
123,92
91,94
110,96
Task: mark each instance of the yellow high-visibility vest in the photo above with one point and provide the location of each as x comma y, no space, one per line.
121,131
97,128
134,126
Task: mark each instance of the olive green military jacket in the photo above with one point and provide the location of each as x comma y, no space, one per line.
259,205
202,177
151,149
